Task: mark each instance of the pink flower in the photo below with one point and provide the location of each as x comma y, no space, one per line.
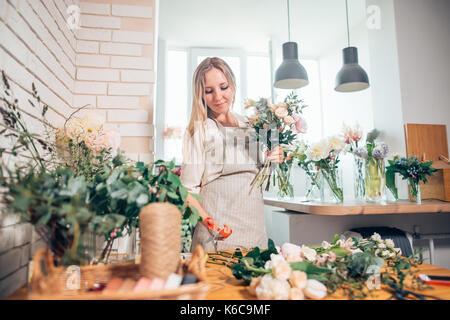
288,120
300,124
281,112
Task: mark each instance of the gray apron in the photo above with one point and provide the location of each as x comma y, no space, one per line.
229,199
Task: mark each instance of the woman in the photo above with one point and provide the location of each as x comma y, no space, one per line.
218,167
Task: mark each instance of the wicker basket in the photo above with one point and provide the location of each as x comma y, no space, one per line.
73,283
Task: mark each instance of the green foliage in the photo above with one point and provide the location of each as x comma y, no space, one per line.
89,193
411,169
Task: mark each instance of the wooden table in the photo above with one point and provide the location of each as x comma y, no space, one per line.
360,208
224,286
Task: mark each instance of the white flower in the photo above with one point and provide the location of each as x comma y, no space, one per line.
325,244
398,251
375,237
275,259
318,151
290,249
390,243
381,245
385,253
315,289
298,279
282,270
270,288
353,251
92,121
309,253
336,143
253,284
296,294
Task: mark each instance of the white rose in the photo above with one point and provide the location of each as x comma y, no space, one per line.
298,279
270,288
296,294
309,253
253,284
315,289
282,270
385,253
375,237
290,249
381,246
390,243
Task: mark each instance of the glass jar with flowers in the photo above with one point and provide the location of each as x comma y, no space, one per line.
374,176
411,169
352,135
325,156
313,178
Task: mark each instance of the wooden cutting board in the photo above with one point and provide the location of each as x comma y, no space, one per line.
428,142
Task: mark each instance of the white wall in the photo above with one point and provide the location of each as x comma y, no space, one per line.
423,42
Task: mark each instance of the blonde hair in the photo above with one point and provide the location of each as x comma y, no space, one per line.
200,110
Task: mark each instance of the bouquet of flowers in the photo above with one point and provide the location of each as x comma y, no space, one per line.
84,145
410,169
324,155
277,125
353,265
374,154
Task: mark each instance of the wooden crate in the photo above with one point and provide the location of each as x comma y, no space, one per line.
429,142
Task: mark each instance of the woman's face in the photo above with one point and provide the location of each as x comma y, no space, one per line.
218,94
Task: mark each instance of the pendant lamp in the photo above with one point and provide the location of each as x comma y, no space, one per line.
290,74
351,77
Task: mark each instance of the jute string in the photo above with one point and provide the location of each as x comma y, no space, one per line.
160,228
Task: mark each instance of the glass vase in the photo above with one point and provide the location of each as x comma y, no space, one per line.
186,236
375,179
314,186
414,191
358,179
282,175
332,185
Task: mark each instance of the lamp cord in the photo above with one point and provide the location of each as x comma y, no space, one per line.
289,22
348,32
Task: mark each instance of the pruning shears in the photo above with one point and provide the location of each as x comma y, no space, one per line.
216,236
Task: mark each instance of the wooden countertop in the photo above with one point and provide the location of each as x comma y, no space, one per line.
359,208
224,286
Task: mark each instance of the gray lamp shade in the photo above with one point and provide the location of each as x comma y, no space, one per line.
351,77
290,74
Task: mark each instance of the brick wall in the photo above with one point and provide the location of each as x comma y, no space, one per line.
106,63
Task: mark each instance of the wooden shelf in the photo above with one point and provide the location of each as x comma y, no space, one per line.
359,208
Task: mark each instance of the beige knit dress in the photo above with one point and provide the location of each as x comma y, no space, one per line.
229,162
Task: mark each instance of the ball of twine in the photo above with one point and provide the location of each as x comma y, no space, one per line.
160,228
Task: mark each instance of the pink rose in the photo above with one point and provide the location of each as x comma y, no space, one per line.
288,120
300,124
281,112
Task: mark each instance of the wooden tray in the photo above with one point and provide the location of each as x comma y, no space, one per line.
60,283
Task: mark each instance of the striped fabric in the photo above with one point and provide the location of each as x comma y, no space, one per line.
229,199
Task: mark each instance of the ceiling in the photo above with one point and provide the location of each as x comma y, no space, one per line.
315,24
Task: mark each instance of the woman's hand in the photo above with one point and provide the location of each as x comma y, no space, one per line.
276,155
212,228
